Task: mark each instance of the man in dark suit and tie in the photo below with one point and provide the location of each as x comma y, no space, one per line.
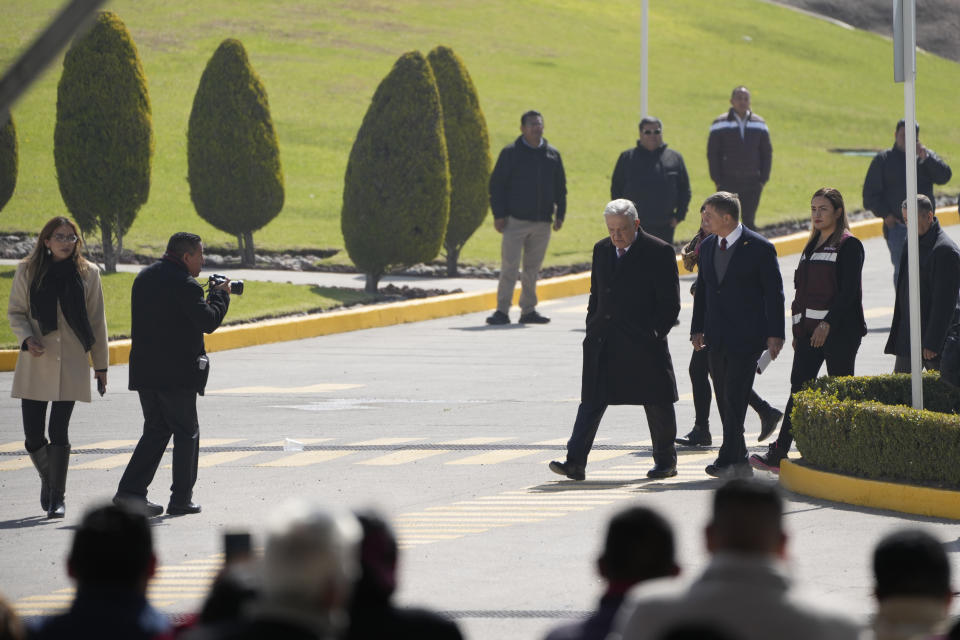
738,311
634,302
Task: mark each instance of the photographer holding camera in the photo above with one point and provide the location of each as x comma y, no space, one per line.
168,368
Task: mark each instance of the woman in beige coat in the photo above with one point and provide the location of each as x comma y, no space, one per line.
56,312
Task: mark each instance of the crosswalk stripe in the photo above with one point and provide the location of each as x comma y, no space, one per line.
9,447
493,457
478,440
280,443
382,441
20,462
402,457
218,442
305,458
221,457
109,462
107,444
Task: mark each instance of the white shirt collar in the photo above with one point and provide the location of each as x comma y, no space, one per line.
731,237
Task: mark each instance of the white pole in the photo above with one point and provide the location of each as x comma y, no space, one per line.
910,131
644,31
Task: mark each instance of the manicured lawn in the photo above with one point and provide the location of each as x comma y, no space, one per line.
259,300
818,85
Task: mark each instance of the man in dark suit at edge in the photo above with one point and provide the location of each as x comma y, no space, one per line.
634,302
738,311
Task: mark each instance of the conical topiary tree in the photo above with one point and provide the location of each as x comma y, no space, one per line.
468,151
103,141
8,158
396,192
236,181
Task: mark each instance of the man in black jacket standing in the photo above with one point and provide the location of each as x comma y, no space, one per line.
528,190
634,302
939,282
655,179
885,188
168,368
740,154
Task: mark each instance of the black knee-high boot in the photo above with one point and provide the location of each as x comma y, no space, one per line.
39,459
58,456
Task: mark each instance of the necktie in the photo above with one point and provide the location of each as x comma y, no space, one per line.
620,252
723,244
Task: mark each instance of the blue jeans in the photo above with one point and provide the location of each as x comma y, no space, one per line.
896,237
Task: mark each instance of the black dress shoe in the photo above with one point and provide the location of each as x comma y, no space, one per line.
533,318
768,422
498,317
567,469
659,471
185,509
729,471
137,504
699,437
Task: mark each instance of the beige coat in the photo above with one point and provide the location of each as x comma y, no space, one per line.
63,371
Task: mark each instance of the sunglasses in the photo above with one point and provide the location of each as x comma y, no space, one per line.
651,132
59,237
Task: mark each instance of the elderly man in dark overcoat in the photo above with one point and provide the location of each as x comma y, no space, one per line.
634,302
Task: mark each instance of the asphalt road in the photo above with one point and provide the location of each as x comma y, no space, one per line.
447,426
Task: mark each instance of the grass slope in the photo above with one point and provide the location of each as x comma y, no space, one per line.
259,300
818,85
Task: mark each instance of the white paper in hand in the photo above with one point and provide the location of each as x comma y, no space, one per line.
764,360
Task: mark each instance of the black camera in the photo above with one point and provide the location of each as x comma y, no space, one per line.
236,286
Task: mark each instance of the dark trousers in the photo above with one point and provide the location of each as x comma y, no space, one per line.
733,375
661,419
702,393
165,414
35,422
749,201
903,365
840,358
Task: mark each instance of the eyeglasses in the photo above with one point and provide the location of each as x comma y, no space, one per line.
59,237
651,132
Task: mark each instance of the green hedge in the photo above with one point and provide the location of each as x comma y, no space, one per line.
865,426
8,158
233,160
468,149
103,140
396,191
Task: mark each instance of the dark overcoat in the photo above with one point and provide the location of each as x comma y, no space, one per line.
634,302
169,318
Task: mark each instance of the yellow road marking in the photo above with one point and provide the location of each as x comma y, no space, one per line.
20,462
9,447
476,440
494,457
305,458
382,441
109,462
402,457
280,443
108,444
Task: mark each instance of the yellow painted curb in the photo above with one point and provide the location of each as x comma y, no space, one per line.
923,501
320,324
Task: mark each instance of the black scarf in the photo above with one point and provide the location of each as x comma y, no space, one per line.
61,283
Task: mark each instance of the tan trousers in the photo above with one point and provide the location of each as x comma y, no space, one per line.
523,241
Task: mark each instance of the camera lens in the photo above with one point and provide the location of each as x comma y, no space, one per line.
236,287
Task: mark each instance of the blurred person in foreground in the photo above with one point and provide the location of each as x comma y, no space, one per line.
111,561
744,592
373,615
912,586
56,312
308,570
639,547
11,627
